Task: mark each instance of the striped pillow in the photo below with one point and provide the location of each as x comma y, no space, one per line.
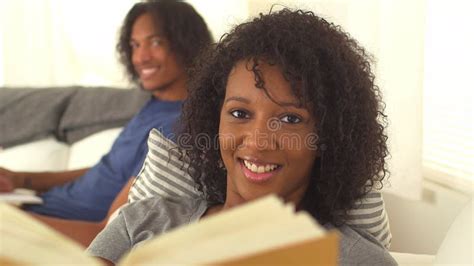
370,216
164,173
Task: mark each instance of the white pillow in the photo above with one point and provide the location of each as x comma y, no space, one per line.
88,151
42,155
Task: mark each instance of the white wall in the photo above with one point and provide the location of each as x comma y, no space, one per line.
62,42
400,75
2,16
1,57
66,42
220,16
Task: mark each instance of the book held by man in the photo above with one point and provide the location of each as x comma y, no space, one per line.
20,196
265,231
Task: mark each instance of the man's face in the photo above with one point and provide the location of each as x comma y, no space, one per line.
155,64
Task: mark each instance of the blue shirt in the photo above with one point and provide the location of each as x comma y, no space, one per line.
90,196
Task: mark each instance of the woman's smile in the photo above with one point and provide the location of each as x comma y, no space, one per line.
258,171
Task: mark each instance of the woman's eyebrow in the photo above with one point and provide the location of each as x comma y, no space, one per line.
237,98
291,104
247,101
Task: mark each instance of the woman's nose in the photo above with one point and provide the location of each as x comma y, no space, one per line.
259,135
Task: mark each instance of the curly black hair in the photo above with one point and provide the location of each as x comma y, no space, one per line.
182,26
330,73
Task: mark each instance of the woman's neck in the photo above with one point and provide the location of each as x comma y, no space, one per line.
213,210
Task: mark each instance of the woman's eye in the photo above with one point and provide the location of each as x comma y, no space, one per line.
156,42
239,114
291,119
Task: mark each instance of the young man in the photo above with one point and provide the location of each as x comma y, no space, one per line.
158,41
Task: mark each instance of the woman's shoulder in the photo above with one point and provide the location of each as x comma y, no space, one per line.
359,247
157,207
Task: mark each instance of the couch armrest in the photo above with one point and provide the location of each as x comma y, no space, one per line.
457,246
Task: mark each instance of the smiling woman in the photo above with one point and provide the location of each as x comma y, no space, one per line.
289,73
297,69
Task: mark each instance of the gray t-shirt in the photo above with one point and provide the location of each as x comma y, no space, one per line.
144,219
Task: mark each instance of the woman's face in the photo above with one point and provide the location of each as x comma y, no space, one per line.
267,146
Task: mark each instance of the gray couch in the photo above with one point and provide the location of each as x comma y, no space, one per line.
68,113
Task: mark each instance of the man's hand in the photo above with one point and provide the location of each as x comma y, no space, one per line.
8,180
37,181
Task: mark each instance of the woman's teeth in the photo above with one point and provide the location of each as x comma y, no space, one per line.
261,168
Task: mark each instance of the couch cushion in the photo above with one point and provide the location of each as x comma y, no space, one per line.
94,109
88,151
43,155
163,173
369,214
69,113
30,114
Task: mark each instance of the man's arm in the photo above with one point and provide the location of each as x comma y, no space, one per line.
43,181
81,231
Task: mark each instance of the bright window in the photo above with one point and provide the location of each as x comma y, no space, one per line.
448,136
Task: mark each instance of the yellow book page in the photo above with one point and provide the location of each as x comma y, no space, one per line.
251,228
25,241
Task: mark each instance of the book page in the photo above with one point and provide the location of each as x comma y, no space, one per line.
20,196
260,225
26,241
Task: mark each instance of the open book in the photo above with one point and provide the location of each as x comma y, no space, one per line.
265,231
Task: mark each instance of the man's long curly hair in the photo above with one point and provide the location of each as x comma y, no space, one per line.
181,25
328,71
